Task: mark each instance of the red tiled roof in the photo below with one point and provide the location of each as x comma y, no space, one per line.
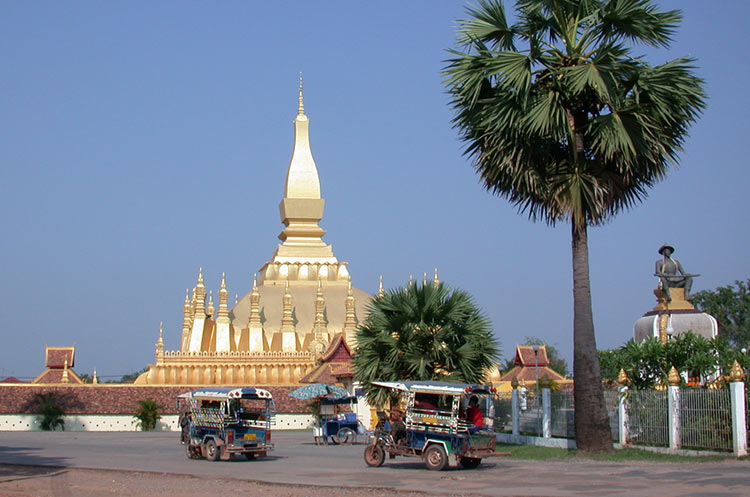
525,356
338,350
12,379
56,375
530,374
55,357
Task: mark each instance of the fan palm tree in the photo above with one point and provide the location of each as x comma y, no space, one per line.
423,332
560,119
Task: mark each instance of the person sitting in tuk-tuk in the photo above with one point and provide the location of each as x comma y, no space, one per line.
474,415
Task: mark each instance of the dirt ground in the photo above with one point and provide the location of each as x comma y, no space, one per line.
37,481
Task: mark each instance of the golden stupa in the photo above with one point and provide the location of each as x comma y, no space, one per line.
300,300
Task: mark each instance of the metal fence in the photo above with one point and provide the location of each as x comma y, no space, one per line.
562,422
706,419
648,417
530,417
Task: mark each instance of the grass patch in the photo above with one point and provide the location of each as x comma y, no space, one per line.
533,452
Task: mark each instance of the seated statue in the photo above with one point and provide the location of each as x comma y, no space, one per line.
671,274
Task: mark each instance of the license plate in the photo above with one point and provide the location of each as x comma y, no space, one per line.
249,436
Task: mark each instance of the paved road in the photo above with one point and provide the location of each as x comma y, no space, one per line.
297,460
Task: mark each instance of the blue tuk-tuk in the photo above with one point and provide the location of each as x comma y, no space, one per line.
218,423
337,427
435,425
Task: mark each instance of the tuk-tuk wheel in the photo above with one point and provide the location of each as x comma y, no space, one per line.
251,455
212,451
435,458
470,462
344,436
374,455
192,452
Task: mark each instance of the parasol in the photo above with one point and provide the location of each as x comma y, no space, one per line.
315,390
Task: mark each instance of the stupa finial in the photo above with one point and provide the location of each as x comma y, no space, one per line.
381,292
301,107
435,279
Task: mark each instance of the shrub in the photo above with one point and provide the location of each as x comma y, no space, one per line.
50,413
147,414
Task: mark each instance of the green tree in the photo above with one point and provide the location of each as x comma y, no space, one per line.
131,377
147,414
423,332
561,120
731,308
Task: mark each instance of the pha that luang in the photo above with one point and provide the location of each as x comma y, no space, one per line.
300,300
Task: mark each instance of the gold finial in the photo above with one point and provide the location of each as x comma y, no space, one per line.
255,281
411,280
514,383
65,377
424,280
161,333
349,289
200,276
381,292
236,299
301,107
223,281
622,378
674,377
435,279
210,310
187,297
94,378
736,374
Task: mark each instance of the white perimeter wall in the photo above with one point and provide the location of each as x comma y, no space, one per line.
119,422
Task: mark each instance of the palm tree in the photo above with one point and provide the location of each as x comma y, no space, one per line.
572,127
423,332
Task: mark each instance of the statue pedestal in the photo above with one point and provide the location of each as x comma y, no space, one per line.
672,318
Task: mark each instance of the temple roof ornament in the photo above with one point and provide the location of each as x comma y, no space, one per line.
381,292
435,279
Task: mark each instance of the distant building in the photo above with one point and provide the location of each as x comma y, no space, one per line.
59,362
530,365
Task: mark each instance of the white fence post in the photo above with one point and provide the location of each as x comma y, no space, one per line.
546,413
514,407
622,409
739,419
675,416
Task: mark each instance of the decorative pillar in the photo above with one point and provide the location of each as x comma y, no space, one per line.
160,345
514,407
622,407
546,413
739,419
675,416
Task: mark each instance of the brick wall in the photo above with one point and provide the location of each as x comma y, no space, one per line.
121,399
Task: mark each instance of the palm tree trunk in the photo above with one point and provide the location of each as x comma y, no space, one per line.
591,420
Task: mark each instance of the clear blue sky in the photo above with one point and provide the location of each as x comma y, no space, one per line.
141,140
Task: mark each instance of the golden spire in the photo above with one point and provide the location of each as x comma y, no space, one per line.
424,280
435,279
256,342
320,329
223,294
236,299
288,333
65,377
350,319
381,292
411,280
187,321
94,378
210,310
301,106
160,344
198,317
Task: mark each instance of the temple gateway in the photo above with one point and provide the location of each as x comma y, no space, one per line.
299,301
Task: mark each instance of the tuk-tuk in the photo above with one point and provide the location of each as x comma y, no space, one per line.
218,423
435,426
338,427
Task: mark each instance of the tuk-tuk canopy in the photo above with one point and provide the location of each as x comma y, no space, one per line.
228,393
438,387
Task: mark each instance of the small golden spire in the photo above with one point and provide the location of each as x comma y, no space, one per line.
736,374
424,280
255,281
200,275
94,378
160,345
65,377
622,378
435,279
381,292
411,280
236,299
674,377
223,294
210,309
160,341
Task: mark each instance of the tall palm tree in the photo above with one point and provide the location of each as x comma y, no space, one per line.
423,332
560,119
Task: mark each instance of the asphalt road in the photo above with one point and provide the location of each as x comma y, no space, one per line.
297,460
